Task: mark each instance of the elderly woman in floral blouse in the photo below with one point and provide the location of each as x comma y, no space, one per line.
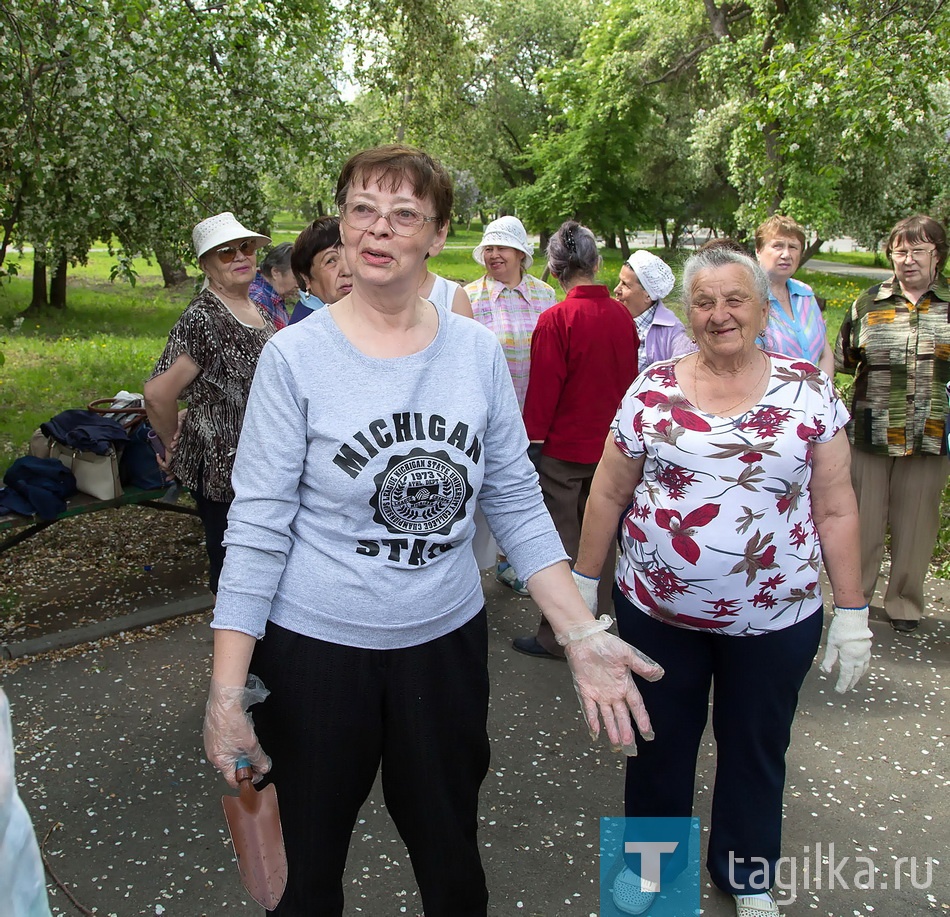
737,466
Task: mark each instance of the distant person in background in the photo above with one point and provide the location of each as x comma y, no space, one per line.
209,362
320,267
644,280
509,301
583,360
896,341
796,327
275,284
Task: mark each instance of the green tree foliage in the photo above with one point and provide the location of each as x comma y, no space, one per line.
128,121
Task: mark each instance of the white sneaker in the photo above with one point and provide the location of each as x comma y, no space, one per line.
749,906
633,895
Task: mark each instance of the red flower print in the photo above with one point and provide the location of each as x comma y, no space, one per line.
633,530
764,600
724,608
682,527
665,375
759,555
750,458
682,416
797,536
806,433
665,583
766,422
773,582
675,479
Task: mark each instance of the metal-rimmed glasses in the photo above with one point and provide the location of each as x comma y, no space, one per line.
913,254
228,253
404,221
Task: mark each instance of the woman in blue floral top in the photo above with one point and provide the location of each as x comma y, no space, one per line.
735,466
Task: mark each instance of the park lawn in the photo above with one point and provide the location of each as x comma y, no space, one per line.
110,335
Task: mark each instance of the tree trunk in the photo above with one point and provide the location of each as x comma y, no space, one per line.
811,250
610,240
57,287
40,298
173,271
666,238
624,244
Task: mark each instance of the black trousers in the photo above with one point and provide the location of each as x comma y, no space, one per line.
214,518
755,682
338,713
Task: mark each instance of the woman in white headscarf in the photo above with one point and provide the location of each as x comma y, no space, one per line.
644,280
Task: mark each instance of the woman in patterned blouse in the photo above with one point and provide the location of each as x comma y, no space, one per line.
209,362
735,467
895,339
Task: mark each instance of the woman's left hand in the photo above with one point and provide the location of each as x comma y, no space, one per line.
602,666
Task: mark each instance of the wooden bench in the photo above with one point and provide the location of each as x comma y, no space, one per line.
24,527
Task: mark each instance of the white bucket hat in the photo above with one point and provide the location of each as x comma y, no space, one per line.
221,228
654,274
507,231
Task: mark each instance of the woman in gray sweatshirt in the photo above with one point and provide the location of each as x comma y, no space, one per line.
350,587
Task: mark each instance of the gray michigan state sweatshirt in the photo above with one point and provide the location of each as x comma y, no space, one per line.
355,486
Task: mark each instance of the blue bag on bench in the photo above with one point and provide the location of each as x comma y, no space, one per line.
137,466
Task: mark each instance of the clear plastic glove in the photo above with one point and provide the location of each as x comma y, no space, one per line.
602,666
849,644
229,731
587,587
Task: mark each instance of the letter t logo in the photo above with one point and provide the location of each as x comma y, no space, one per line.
650,852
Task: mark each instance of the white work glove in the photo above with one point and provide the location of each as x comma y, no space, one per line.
587,587
601,667
849,644
229,730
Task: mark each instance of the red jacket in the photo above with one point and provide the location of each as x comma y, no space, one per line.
583,360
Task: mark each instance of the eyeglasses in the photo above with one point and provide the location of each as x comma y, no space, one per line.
229,252
914,254
404,221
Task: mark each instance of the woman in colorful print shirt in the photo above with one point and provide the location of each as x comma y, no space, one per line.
737,465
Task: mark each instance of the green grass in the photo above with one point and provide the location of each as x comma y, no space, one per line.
861,259
110,336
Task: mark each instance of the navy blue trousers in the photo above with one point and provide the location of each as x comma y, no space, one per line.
755,683
335,716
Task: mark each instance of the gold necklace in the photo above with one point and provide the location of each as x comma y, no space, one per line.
742,400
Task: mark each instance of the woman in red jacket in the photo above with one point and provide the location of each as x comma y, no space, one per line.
583,360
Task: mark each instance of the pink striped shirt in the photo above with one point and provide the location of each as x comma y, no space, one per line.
512,313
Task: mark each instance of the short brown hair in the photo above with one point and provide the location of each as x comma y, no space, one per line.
395,163
778,226
919,228
321,234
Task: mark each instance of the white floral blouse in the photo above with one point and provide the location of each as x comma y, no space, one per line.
720,535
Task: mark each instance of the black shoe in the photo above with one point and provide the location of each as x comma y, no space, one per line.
530,646
903,626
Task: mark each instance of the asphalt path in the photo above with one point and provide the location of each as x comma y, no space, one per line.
111,769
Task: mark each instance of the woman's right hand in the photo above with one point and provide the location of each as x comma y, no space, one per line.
229,731
602,667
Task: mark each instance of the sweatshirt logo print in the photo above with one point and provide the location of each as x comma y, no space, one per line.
422,493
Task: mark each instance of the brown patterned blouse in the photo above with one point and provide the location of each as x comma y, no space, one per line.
226,351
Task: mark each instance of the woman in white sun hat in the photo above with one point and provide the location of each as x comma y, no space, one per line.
209,362
508,300
644,280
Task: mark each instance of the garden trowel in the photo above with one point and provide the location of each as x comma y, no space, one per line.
254,822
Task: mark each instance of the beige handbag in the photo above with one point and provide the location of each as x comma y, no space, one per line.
39,444
96,475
